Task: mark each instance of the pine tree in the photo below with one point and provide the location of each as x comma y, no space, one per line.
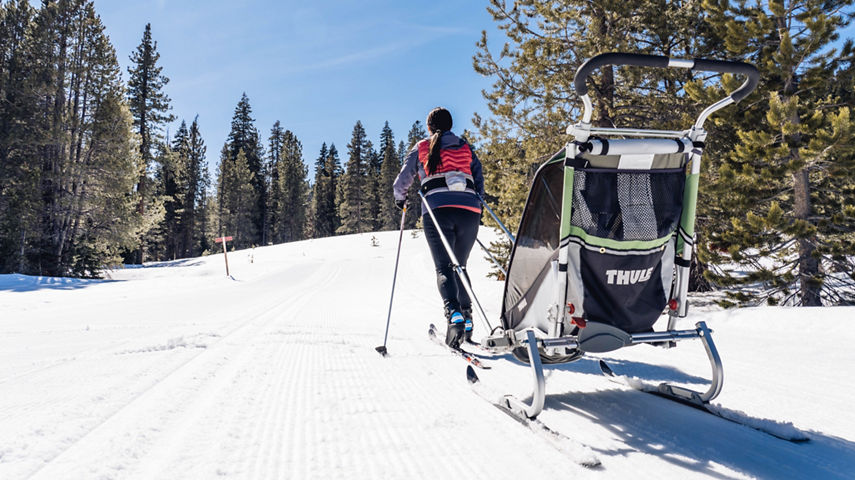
193,227
274,199
244,137
337,186
170,186
181,181
236,199
532,99
149,106
68,159
19,127
402,152
324,209
353,208
292,189
389,170
373,164
319,187
532,104
208,226
782,185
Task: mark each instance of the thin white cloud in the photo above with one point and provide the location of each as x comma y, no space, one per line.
352,58
425,35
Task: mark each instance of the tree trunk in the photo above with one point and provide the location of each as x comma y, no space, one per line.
808,262
144,154
606,90
697,281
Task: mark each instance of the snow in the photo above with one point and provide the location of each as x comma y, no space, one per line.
176,371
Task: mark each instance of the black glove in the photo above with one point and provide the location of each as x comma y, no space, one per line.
400,203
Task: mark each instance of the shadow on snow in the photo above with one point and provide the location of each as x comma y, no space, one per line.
25,283
691,439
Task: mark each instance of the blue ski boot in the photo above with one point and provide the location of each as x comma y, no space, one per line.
455,332
467,329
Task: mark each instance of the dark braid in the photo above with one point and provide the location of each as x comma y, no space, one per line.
438,121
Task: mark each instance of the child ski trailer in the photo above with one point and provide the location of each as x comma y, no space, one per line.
619,204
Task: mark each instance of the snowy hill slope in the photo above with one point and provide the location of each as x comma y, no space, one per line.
175,371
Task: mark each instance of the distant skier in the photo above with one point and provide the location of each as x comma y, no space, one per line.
451,180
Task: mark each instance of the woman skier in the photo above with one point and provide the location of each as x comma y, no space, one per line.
452,181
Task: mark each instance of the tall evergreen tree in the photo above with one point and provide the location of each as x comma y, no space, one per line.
389,169
182,181
68,169
244,137
274,199
149,105
209,226
170,187
335,195
292,189
19,129
781,189
194,225
320,184
532,98
325,219
236,199
353,208
373,164
402,153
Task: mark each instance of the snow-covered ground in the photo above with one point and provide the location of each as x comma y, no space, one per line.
176,371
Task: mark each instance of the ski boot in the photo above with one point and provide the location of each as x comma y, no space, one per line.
467,329
455,332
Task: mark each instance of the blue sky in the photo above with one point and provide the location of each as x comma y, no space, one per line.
318,67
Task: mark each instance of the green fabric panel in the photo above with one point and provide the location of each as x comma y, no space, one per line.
616,244
690,204
567,202
558,156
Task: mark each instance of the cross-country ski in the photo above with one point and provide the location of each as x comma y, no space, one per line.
576,451
469,357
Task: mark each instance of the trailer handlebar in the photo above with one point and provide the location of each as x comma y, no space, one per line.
657,61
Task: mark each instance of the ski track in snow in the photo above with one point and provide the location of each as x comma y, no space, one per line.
173,371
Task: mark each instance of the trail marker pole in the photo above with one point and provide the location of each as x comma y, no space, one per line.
223,240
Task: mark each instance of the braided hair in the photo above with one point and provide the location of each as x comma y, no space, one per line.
438,121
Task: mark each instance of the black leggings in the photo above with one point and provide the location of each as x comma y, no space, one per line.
460,227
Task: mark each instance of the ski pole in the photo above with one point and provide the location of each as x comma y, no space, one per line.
507,232
461,274
382,348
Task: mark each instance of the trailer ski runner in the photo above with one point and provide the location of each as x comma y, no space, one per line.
782,430
605,242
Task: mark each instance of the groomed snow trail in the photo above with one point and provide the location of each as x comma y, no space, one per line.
175,371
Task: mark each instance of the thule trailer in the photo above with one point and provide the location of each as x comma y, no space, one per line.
605,241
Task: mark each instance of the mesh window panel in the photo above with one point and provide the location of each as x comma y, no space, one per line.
628,206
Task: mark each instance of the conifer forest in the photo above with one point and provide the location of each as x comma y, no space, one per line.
98,171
